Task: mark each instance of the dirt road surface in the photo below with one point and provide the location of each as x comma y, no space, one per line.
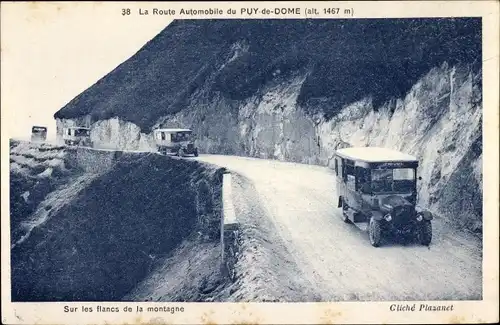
336,259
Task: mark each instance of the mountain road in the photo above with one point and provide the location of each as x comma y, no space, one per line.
336,258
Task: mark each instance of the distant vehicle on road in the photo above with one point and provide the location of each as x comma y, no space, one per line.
377,189
77,136
38,133
178,142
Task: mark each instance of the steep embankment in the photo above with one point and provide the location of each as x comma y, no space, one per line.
91,225
42,178
305,89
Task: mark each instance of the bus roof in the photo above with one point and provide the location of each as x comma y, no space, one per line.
374,154
77,127
173,130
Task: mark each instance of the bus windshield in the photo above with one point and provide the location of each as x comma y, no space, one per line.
82,132
398,180
181,136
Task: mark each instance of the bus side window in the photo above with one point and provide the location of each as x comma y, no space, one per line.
348,169
163,135
344,171
336,167
351,182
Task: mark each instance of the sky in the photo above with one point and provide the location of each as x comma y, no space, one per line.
51,52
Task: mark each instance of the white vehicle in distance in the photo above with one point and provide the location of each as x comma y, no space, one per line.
38,133
178,142
77,136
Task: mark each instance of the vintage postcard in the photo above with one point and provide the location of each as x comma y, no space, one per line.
250,162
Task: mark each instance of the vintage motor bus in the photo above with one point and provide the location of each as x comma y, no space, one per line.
179,142
77,136
377,191
38,133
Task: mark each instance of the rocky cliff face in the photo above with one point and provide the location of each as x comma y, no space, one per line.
110,134
421,98
439,121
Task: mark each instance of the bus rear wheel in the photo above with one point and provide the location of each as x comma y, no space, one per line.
345,208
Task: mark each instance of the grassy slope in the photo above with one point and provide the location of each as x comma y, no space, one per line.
35,171
103,240
189,273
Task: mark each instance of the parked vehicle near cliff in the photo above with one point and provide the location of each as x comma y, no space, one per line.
77,136
178,142
38,133
377,191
